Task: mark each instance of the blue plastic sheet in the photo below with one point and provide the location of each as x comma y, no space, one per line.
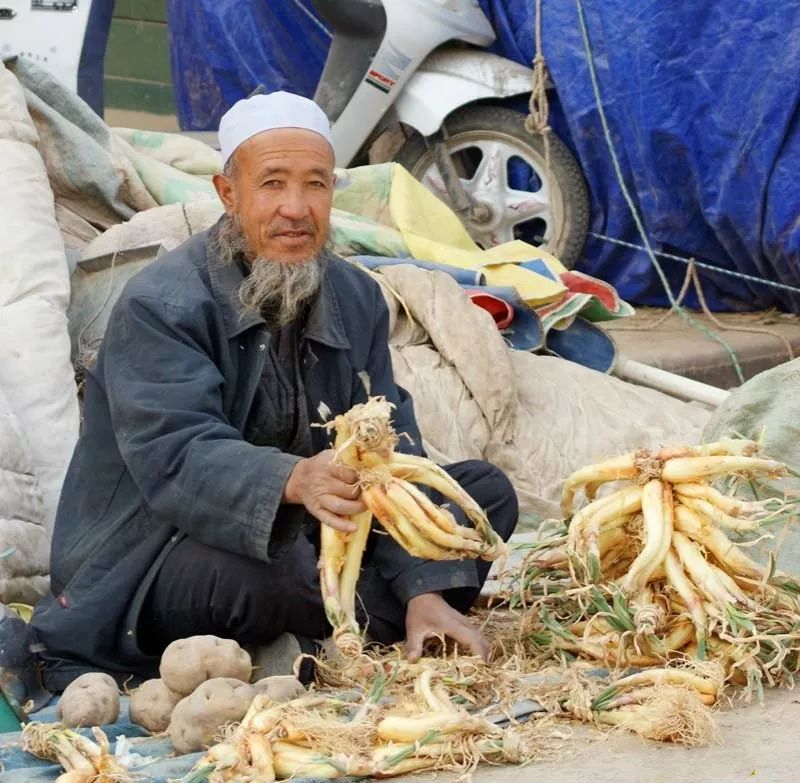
702,99
90,66
222,50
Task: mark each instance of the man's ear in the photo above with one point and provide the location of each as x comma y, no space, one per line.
225,191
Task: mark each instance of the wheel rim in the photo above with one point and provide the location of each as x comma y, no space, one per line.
491,166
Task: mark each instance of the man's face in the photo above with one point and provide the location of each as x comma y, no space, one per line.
281,189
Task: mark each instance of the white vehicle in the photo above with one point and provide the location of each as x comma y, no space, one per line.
49,32
423,64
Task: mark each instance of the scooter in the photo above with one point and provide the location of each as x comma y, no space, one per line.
49,32
420,67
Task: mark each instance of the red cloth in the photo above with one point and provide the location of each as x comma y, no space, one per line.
499,309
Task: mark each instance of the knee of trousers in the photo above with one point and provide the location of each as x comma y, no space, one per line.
493,491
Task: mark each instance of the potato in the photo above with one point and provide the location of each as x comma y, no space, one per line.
90,700
152,704
280,687
198,717
188,662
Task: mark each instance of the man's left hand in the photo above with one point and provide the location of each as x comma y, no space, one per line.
429,615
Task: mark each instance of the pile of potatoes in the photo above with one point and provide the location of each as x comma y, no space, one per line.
204,684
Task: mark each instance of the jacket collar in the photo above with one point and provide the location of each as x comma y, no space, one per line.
324,323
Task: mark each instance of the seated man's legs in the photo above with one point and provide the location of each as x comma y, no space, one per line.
201,590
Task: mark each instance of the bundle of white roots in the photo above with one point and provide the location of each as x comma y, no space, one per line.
652,570
365,442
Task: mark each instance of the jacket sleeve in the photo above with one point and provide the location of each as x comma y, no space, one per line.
193,468
407,576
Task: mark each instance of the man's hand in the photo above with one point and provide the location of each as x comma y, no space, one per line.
328,491
429,615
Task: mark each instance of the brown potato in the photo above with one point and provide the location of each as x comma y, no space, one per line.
152,704
197,718
280,687
90,700
188,662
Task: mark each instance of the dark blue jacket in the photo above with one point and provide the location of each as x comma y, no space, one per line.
162,455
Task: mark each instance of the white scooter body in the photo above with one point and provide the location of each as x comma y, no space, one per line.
49,32
422,85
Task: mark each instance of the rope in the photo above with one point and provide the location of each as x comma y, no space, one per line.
587,46
538,119
687,279
714,320
702,265
692,277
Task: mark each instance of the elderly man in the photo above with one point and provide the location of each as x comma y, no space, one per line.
194,496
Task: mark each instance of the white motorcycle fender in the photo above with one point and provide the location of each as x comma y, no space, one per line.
450,78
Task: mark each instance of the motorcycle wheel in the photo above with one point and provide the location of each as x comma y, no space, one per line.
502,166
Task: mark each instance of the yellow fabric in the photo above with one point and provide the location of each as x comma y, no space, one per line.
433,232
22,610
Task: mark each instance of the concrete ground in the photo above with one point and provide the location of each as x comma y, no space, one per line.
677,347
755,744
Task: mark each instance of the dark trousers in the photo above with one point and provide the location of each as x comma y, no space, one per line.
201,590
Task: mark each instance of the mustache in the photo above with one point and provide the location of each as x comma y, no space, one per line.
280,227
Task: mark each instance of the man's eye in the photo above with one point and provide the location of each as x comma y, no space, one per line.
271,183
318,183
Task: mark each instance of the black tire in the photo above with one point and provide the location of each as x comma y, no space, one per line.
569,201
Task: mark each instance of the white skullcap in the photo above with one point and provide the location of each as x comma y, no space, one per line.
261,113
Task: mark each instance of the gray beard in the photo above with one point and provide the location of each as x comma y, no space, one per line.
276,291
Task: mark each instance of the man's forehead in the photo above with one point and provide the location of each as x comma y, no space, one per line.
293,146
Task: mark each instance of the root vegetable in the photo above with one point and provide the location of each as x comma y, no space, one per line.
152,704
716,542
623,467
90,700
197,718
730,505
717,515
397,728
679,582
689,469
186,663
657,514
691,556
279,688
365,442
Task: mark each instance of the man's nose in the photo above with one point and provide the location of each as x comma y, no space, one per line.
294,205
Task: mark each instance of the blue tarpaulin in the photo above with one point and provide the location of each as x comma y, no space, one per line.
701,97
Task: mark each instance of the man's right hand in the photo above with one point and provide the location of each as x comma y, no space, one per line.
329,492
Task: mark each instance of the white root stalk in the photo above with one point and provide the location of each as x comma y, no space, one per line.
398,492
715,541
402,530
717,515
730,505
680,677
601,513
700,572
420,470
615,469
657,514
679,582
683,470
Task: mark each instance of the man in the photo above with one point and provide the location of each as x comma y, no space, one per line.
193,500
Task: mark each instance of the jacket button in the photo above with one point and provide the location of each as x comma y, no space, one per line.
241,347
262,347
